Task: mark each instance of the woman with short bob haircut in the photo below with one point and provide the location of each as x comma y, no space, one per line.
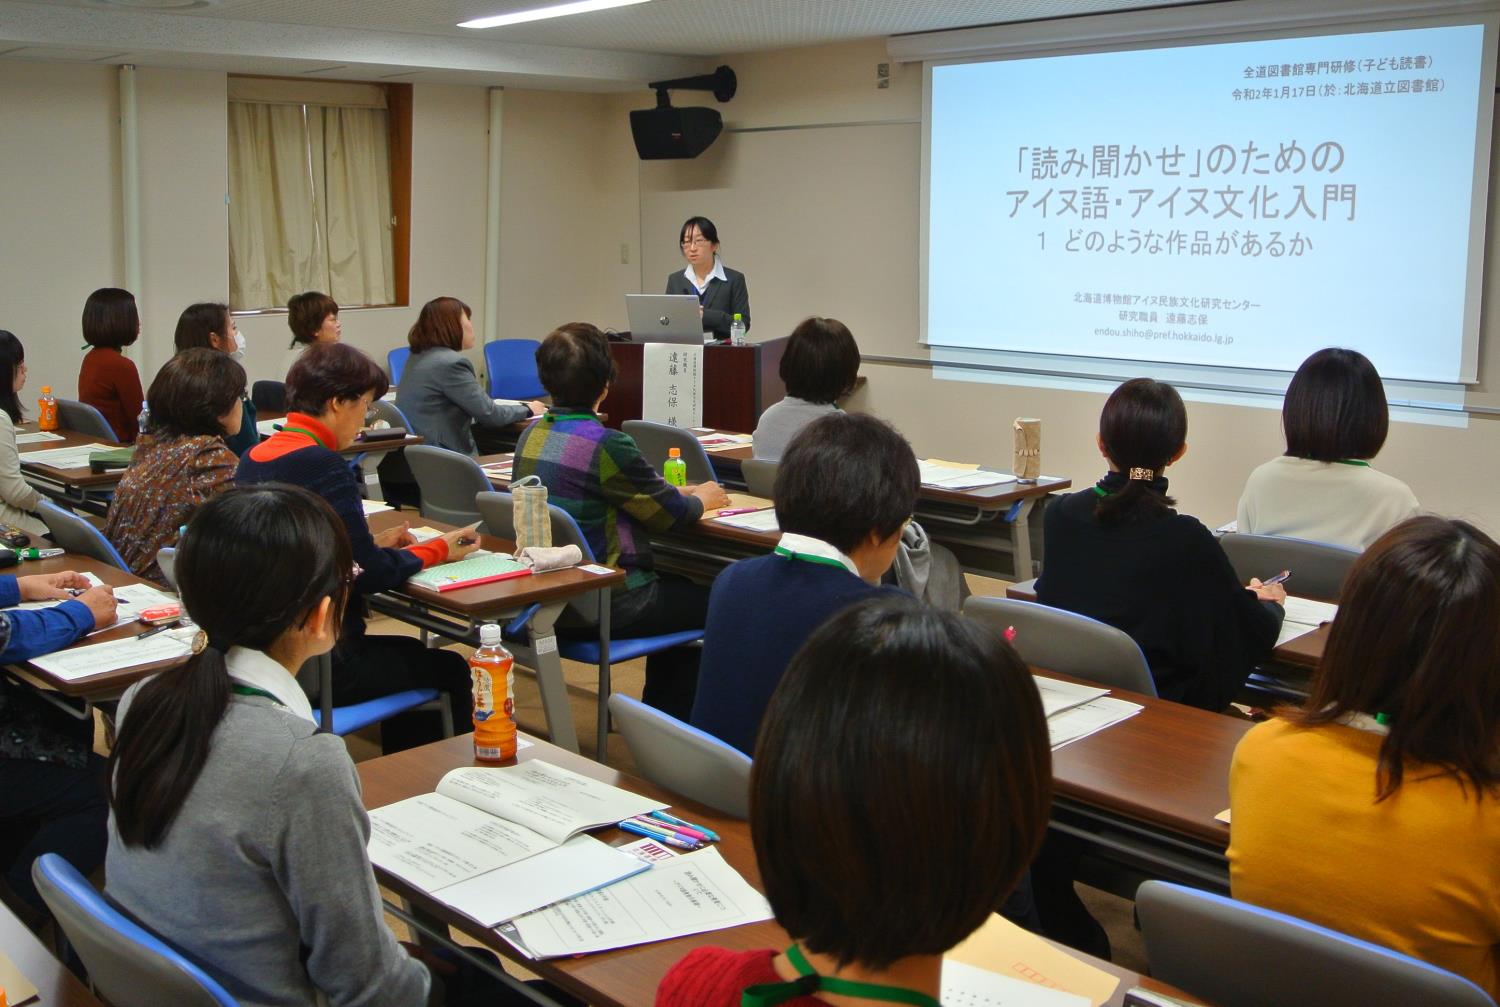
313,317
819,367
236,829
1335,419
211,324
897,728
108,380
182,461
440,394
1391,770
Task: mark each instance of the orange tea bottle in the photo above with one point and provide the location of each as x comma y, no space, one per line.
492,671
46,410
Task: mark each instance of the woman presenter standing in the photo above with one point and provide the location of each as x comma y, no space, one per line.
720,291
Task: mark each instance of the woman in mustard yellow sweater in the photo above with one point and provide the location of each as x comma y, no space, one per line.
1375,810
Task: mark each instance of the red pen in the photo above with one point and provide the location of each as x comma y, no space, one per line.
732,511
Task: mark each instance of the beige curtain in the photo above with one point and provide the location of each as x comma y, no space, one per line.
356,159
309,204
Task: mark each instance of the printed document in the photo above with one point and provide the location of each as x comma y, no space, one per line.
1303,616
1091,717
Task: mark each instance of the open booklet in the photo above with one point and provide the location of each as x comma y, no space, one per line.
495,843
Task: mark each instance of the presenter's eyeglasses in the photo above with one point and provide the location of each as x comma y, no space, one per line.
695,240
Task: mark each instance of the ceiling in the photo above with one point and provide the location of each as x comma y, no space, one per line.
418,39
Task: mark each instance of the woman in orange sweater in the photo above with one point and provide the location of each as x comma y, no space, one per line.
1375,810
108,380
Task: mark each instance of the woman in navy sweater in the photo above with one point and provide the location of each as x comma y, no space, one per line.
329,389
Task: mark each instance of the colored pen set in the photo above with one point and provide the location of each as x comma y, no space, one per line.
665,828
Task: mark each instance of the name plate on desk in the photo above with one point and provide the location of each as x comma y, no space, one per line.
672,384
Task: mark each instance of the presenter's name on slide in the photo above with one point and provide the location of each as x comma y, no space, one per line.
1167,334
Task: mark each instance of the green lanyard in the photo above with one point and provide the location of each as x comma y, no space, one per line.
304,430
782,550
250,690
554,417
1351,461
809,982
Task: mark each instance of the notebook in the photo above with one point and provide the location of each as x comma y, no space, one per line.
470,572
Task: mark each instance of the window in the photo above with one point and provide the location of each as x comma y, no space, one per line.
319,191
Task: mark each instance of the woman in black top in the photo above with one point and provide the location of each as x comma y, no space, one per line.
721,291
1119,553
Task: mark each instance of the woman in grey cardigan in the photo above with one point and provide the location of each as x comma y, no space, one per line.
440,394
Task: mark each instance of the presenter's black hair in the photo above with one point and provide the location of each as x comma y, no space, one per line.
574,365
898,728
1335,408
1143,426
110,318
844,476
254,563
821,361
705,227
12,356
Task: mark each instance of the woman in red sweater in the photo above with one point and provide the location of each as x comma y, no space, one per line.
901,785
108,380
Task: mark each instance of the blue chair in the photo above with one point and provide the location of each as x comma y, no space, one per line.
316,679
511,364
82,418
1234,954
78,535
128,964
585,611
396,360
680,758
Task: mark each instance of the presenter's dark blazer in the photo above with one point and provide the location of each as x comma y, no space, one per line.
721,302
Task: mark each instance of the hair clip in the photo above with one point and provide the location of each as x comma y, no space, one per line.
1144,475
200,642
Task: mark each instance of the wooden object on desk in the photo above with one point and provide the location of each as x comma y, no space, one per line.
626,977
55,985
739,383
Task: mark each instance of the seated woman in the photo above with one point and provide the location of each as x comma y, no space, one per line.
108,380
329,390
313,318
897,728
236,831
1335,420
440,394
844,492
1119,553
598,476
819,367
211,325
49,774
182,462
18,498
1375,809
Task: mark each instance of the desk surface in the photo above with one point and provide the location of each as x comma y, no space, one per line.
81,478
627,977
55,985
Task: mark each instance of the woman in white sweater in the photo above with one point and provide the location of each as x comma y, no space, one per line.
1323,489
18,498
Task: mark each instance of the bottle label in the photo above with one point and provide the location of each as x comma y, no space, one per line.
484,695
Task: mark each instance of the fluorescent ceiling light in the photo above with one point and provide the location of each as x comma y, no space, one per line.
542,13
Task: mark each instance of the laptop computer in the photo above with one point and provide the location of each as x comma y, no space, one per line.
664,318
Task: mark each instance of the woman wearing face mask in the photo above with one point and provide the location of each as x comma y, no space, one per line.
211,325
18,498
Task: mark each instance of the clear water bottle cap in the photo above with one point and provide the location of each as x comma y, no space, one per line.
489,634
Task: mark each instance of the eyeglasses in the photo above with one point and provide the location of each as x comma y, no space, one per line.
691,242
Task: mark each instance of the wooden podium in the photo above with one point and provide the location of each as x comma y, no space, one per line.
739,382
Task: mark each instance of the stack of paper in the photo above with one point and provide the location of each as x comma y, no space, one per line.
1304,616
268,427
761,520
1089,718
97,658
1000,950
375,507
1058,695
38,437
716,440
75,457
496,843
958,475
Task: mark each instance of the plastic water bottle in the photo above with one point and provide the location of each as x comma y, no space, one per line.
492,670
143,419
46,410
675,470
737,331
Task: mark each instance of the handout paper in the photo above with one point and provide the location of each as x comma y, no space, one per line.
1001,948
761,520
75,457
1093,716
1303,616
97,658
38,437
969,986
1058,695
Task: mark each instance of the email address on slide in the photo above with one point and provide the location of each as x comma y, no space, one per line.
1164,335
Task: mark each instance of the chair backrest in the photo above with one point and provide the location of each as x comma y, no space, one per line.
1234,954
80,417
448,482
127,963
268,396
393,466
166,561
78,535
655,439
511,365
396,362
1318,568
498,511
1068,643
760,476
680,758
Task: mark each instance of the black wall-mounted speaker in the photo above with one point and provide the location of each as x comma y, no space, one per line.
667,133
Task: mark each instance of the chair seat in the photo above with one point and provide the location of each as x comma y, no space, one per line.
356,716
587,651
